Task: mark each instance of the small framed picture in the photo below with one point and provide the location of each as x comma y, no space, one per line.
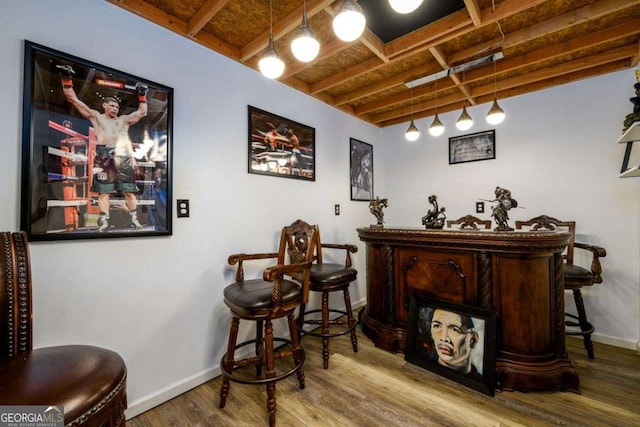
361,170
281,147
97,150
472,147
453,340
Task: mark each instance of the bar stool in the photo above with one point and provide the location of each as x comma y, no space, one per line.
327,278
263,300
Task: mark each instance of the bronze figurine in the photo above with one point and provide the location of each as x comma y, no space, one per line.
500,211
435,216
375,207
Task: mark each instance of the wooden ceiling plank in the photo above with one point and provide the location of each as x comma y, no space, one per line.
474,11
622,53
217,45
506,65
204,15
424,35
282,27
373,43
510,64
520,90
355,71
380,86
173,23
153,14
457,20
636,59
326,50
567,20
553,25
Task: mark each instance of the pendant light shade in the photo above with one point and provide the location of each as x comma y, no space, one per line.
436,128
464,121
496,114
412,133
405,6
271,66
349,23
305,46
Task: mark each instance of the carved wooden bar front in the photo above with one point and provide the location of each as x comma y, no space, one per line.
516,274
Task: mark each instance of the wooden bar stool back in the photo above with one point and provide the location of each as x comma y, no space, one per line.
282,288
327,278
470,221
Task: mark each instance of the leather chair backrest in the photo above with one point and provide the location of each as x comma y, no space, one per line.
15,295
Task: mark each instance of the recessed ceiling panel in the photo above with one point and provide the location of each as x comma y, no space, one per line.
389,25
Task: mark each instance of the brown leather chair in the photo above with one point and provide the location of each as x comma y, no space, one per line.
89,382
262,300
575,276
470,221
327,278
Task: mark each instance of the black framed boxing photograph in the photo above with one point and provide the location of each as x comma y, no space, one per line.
96,150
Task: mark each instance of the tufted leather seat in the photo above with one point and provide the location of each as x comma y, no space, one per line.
90,382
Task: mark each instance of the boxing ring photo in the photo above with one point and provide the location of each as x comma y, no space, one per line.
96,150
281,147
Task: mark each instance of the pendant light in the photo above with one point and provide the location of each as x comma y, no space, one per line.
271,66
349,23
465,121
496,114
436,128
412,132
405,6
305,46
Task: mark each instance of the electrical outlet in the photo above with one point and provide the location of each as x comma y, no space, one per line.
337,209
479,207
183,208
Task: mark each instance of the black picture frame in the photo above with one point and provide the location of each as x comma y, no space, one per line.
280,147
361,170
72,170
473,147
444,358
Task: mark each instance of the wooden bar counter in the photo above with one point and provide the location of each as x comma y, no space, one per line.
516,274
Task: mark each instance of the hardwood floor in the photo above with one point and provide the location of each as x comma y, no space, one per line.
377,388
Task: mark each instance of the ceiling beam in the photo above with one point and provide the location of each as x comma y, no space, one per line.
474,11
621,53
204,15
512,40
432,35
520,90
175,24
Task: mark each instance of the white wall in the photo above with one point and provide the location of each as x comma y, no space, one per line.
557,152
158,301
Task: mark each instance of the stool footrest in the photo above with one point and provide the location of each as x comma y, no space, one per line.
251,360
331,322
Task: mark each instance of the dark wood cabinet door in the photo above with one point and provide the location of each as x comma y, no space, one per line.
446,275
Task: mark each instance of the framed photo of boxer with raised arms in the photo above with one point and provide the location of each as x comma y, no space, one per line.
96,150
281,147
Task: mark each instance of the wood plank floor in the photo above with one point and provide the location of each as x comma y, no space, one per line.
377,388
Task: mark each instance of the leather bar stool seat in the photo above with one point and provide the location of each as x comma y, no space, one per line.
84,379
